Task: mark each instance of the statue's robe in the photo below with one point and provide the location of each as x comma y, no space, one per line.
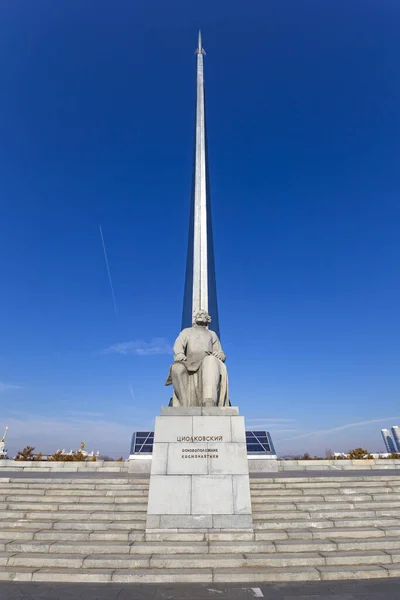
196,343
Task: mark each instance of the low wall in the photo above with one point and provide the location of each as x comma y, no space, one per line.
338,465
265,466
127,466
259,465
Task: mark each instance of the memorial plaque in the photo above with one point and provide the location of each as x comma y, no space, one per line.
199,475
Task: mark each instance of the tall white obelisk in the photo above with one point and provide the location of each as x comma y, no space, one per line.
200,286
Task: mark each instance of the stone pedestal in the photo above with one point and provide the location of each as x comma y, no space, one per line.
199,473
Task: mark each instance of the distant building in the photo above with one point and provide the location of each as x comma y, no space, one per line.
387,438
396,437
3,449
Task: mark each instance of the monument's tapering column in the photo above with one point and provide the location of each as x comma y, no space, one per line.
200,286
199,470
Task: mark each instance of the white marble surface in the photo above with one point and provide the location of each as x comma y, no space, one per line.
159,459
167,429
232,460
169,495
212,495
241,494
213,426
186,522
191,466
203,491
233,522
238,429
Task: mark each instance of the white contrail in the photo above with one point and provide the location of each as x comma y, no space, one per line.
340,428
108,271
132,391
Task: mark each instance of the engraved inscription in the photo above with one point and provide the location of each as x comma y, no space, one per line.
200,452
200,438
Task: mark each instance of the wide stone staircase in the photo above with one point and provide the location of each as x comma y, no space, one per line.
93,529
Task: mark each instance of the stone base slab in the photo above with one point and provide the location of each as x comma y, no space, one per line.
157,523
200,411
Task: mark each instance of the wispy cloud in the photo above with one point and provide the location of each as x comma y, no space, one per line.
342,427
269,420
270,423
156,346
277,431
82,413
4,387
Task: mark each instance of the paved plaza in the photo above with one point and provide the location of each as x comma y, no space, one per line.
381,589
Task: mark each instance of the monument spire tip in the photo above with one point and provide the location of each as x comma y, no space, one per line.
200,49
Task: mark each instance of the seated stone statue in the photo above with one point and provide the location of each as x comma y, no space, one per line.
198,374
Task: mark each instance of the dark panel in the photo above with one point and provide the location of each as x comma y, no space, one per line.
257,442
187,312
212,283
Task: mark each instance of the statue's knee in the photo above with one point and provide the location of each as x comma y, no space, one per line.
211,360
177,369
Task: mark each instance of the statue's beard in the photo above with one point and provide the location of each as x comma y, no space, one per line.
201,323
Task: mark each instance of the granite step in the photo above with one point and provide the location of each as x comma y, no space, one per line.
53,490
137,523
32,490
302,574
293,545
268,518
81,481
79,491
329,481
337,497
77,560
348,503
278,560
76,506
249,575
304,529
78,515
327,534
53,548
74,575
275,526
324,482
242,561
90,525
53,535
332,491
335,533
53,502
201,561
55,483
387,543
137,533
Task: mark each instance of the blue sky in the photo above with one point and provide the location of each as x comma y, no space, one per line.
96,122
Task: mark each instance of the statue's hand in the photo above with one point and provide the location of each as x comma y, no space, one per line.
180,357
220,355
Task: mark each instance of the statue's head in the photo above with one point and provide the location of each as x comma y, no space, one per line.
202,318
